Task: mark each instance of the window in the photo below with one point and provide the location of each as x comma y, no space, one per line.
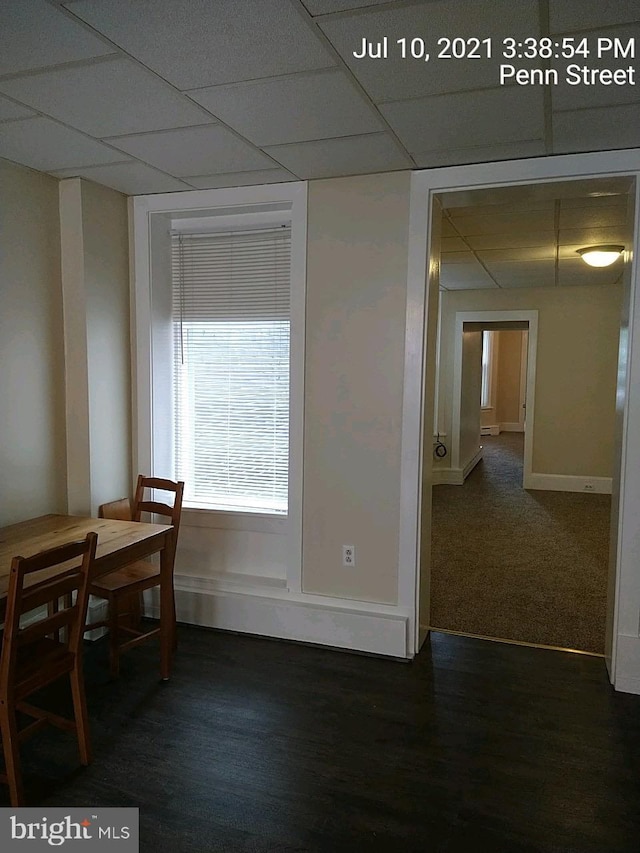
230,330
486,395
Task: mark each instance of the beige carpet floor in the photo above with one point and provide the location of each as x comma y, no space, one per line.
515,564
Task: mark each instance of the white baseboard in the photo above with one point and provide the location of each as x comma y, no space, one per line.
627,674
471,464
341,623
511,427
569,483
490,429
447,477
455,476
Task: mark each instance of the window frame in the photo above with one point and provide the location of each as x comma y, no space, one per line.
150,220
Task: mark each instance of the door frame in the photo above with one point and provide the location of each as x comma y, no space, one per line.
426,185
462,317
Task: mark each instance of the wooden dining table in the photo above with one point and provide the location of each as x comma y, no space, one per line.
119,544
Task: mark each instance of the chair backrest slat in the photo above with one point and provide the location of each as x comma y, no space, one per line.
58,592
141,505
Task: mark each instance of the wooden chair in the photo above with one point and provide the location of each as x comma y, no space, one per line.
44,650
125,586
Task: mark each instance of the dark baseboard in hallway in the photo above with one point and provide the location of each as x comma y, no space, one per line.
515,564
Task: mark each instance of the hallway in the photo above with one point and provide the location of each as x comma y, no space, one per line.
519,565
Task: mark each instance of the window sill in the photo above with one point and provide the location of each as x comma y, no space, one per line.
256,522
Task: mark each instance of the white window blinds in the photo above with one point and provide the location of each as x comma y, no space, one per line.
231,295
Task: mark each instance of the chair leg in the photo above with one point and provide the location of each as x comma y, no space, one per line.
11,749
114,653
80,713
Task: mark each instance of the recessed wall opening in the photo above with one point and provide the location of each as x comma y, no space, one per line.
526,409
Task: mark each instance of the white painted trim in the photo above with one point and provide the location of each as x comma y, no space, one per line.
420,234
490,429
570,483
425,186
291,197
471,464
76,354
510,427
522,391
340,623
462,317
447,477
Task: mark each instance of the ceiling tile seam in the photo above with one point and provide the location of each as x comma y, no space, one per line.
272,78
599,107
556,237
358,87
120,163
160,132
391,6
604,27
17,118
547,110
235,172
475,91
60,66
327,139
68,13
473,252
480,148
132,157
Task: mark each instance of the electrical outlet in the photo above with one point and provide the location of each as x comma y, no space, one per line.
349,555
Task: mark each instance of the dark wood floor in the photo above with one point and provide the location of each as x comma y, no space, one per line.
258,745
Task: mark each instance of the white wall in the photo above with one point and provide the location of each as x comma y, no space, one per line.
32,418
576,370
470,388
356,304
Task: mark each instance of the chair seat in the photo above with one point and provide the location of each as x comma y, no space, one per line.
134,576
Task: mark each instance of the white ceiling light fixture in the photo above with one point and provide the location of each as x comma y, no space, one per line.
600,256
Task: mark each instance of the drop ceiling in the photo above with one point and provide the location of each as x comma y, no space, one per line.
165,95
528,236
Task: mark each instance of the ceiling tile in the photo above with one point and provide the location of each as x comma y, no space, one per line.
525,204
609,199
573,15
452,244
480,154
581,237
110,97
350,155
593,217
506,223
325,7
600,129
194,151
570,97
395,78
9,110
464,276
505,272
240,179
35,35
526,282
524,239
574,271
195,43
467,119
292,109
462,257
531,253
129,178
43,144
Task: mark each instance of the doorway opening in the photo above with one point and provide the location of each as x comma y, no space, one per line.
557,274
